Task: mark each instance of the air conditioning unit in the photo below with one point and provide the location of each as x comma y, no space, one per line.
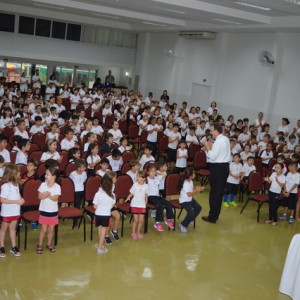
198,35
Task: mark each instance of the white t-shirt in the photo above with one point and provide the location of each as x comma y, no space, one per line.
188,186
115,164
48,205
235,169
290,180
74,99
275,187
139,192
67,145
245,155
50,92
34,129
21,158
173,145
116,134
48,155
143,123
153,185
100,173
38,83
144,159
10,192
5,154
104,203
268,155
91,159
53,136
190,139
97,129
79,180
246,169
132,175
181,162
23,134
152,137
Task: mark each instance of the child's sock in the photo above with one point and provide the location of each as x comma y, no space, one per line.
225,198
231,197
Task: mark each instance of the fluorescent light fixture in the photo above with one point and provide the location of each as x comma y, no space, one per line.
297,2
154,24
126,74
228,22
49,6
105,16
253,5
170,10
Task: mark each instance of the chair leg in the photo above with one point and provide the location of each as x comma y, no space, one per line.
146,221
179,213
84,228
258,211
244,206
55,235
18,233
25,234
194,223
92,223
122,225
174,217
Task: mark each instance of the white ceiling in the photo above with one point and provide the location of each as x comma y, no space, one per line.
166,15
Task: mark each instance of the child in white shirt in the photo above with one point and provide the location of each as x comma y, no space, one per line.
181,158
24,147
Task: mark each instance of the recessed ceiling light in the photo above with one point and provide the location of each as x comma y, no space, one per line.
154,24
228,22
49,6
297,2
252,5
170,10
106,16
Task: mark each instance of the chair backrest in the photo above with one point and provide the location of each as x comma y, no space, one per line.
13,155
133,131
272,163
146,165
34,147
30,192
64,161
125,168
67,191
144,136
36,155
192,150
123,126
200,160
7,131
128,155
160,134
258,164
255,182
22,168
122,186
98,115
163,144
91,187
70,167
88,113
172,184
41,169
105,155
39,139
109,120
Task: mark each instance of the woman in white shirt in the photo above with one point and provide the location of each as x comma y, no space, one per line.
284,127
23,83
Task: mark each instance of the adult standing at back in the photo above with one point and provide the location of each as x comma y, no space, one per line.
218,154
36,80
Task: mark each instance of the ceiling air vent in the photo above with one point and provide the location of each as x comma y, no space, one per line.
198,35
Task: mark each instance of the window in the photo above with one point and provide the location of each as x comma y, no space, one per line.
92,78
73,33
82,76
58,30
27,69
42,27
2,66
13,71
7,22
26,25
64,75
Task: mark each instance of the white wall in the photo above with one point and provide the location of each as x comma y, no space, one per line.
240,84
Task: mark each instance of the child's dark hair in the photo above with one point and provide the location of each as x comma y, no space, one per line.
68,130
1,159
123,138
87,136
51,163
22,143
293,164
115,153
37,118
236,154
108,136
20,121
149,147
186,175
91,147
79,163
161,164
54,172
104,161
48,144
250,157
32,161
3,138
151,166
71,152
107,184
142,174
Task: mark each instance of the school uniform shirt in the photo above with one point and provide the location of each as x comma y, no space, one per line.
95,108
38,83
87,102
23,116
167,132
7,122
188,187
100,173
49,92
200,132
153,184
262,146
104,203
123,149
34,129
139,192
67,145
21,158
246,169
237,147
162,180
79,180
74,99
268,155
53,136
23,134
284,129
97,129
235,169
290,180
152,137
91,159
191,139
143,123
59,108
116,134
132,175
5,154
173,145
48,205
181,162
144,159
275,187
245,155
105,112
2,171
115,164
243,138
10,191
253,148
64,94
291,146
47,155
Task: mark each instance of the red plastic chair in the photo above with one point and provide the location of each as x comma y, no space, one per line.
30,195
128,156
123,126
192,150
41,169
143,139
34,147
88,113
67,196
69,169
133,135
109,120
13,155
125,168
258,164
163,147
64,161
256,186
39,139
36,155
201,167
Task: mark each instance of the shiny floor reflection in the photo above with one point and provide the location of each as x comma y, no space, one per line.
234,259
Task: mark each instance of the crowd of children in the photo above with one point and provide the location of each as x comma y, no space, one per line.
74,120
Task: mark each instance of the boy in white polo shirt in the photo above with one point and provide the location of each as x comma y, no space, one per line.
24,147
